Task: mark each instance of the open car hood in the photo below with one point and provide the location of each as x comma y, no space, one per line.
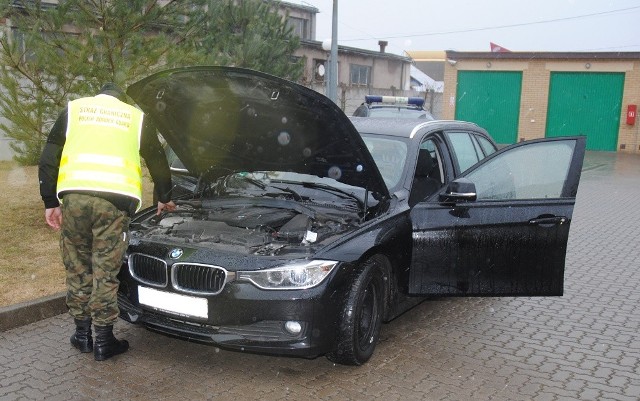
220,120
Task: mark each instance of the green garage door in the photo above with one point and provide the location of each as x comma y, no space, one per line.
586,104
491,99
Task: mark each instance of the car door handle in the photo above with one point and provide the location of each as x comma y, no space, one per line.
548,220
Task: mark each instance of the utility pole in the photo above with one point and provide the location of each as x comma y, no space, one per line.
332,79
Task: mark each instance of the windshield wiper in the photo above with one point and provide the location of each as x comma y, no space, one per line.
253,181
296,196
340,192
260,184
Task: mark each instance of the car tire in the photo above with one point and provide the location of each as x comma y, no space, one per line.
361,315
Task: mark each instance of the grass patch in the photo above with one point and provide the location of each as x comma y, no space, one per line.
30,262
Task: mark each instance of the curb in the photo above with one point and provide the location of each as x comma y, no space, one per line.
21,314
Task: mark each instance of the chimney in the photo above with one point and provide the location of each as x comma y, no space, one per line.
383,44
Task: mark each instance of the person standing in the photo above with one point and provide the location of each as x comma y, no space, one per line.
90,183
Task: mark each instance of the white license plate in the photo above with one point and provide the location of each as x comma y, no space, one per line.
174,303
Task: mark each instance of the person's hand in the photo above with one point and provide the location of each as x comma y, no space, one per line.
169,207
53,216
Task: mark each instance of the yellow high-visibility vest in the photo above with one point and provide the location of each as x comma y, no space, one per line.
102,148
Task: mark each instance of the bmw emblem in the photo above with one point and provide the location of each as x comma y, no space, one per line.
176,253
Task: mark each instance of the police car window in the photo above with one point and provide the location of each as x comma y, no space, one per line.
361,111
464,149
398,112
393,106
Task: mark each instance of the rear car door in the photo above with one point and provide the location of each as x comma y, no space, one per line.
501,229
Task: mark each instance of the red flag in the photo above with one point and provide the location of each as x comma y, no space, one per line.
497,48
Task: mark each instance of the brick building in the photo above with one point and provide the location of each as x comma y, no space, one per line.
527,95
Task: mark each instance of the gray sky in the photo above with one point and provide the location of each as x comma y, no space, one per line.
469,25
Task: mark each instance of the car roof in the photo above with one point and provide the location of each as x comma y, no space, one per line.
406,128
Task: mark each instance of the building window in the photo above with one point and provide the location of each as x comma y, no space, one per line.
300,27
21,40
21,43
360,75
319,69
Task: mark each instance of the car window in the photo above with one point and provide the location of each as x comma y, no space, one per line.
389,155
485,144
427,177
431,146
361,111
175,164
464,149
477,147
536,171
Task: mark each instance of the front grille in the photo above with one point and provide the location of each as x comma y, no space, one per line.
196,278
148,269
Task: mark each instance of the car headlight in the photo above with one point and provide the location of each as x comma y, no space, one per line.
295,276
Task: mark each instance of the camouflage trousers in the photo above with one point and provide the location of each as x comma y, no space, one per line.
93,239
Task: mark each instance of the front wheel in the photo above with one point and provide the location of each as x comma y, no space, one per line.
361,315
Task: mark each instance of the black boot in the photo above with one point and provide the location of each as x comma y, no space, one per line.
81,339
106,344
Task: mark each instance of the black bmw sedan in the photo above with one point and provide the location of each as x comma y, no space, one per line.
300,231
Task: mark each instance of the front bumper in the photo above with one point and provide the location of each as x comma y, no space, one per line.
242,322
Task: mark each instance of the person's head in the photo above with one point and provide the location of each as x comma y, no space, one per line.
112,89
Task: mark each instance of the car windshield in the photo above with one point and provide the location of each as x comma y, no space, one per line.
399,112
390,155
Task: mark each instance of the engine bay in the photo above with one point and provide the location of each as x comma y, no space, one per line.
261,230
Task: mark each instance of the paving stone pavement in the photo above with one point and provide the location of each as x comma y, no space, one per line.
584,345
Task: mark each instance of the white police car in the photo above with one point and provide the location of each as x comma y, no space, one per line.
393,106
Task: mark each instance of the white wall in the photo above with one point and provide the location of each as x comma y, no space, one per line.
5,151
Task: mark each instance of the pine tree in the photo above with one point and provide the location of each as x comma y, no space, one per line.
249,34
58,52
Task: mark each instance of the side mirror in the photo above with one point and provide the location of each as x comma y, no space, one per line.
459,190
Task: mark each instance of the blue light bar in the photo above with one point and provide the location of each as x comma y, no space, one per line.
416,101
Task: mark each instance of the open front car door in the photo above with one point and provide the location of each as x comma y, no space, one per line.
502,228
